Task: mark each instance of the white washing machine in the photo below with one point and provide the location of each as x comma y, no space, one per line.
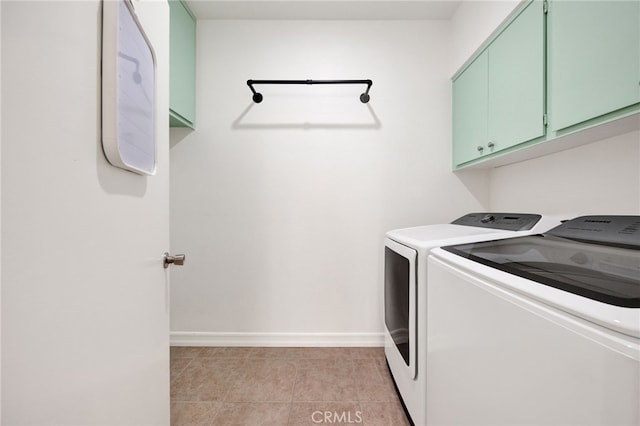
405,290
537,330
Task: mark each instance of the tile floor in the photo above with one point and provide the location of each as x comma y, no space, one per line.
282,386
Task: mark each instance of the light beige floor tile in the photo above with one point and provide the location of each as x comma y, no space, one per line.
205,379
233,352
177,366
263,380
184,351
193,413
324,353
315,363
253,413
275,352
366,353
277,386
224,352
207,352
325,384
373,381
379,364
376,392
300,353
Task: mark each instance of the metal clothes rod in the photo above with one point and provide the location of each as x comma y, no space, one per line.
257,97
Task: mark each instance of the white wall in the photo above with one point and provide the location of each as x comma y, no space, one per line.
84,336
602,177
473,23
282,206
599,178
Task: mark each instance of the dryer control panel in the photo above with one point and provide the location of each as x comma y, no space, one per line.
505,221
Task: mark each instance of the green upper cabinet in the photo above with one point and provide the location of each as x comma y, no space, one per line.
470,110
594,59
516,81
182,94
498,100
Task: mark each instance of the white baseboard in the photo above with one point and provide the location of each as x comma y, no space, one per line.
193,338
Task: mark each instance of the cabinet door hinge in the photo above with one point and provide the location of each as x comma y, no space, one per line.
545,7
545,120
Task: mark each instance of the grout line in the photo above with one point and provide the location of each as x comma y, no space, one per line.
295,382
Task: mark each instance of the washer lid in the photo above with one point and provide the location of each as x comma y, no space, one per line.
606,273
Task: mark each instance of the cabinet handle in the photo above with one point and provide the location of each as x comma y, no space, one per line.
480,148
491,145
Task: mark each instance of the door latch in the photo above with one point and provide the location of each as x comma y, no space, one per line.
178,260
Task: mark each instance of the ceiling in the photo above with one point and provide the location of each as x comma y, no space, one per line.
324,9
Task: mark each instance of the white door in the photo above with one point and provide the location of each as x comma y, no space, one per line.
85,309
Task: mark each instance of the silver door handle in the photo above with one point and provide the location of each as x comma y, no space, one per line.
178,259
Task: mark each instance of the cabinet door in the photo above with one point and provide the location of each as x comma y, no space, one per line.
594,59
470,111
182,66
516,81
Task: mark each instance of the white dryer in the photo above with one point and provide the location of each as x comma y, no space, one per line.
405,290
537,330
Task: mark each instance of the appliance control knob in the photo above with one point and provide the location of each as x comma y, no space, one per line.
488,218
